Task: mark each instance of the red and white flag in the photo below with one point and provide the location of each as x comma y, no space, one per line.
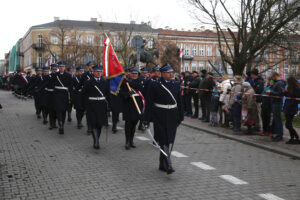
181,53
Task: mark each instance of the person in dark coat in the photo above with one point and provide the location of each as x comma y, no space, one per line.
266,109
49,99
194,92
116,105
290,108
96,91
214,106
61,82
43,90
87,76
33,86
70,70
201,94
164,107
155,73
187,94
77,96
208,85
278,91
131,116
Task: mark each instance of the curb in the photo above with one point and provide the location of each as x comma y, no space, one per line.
243,141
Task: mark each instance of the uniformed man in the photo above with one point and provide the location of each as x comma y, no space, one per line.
96,90
155,73
88,75
61,82
70,70
164,108
43,90
130,113
50,99
116,106
33,86
77,96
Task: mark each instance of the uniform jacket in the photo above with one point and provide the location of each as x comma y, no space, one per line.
165,121
258,86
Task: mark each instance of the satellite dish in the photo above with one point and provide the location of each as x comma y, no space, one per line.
137,42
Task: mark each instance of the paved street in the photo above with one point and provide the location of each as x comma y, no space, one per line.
36,163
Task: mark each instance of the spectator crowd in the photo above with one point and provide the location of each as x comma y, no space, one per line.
247,100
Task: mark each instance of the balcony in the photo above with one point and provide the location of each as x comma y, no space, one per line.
38,46
188,57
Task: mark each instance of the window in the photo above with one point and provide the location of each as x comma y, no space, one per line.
78,39
208,50
265,55
201,65
179,46
117,42
286,69
294,70
194,50
67,39
54,39
186,49
296,55
39,40
39,59
194,66
90,40
275,54
101,41
229,70
69,56
186,66
54,57
88,57
286,53
201,50
151,43
276,68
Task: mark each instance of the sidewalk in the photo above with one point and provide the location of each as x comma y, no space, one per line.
263,142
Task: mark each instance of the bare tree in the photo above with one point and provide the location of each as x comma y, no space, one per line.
169,53
248,31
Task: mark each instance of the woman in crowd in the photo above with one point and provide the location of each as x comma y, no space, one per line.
266,109
290,108
249,107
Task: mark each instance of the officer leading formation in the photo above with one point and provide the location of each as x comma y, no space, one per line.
143,98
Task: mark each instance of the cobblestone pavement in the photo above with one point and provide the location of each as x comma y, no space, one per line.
36,163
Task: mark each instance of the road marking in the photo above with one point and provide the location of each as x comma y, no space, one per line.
142,138
203,166
178,154
233,180
269,196
118,127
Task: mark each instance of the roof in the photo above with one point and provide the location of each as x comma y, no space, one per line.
205,33
96,25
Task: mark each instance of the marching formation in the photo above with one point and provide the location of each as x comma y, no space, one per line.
143,97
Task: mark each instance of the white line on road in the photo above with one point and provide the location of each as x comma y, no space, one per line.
178,154
233,180
203,166
142,138
269,196
118,127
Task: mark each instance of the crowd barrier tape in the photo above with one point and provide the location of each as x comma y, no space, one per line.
261,95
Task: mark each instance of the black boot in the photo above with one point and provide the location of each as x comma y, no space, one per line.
162,162
45,118
114,128
170,169
79,124
127,143
61,127
69,117
96,138
51,126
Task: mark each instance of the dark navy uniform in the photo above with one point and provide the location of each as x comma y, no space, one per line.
44,90
50,98
62,85
33,86
130,113
96,91
88,75
78,98
116,105
69,110
164,108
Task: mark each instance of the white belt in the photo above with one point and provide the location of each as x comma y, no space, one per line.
49,90
165,106
79,90
135,95
97,98
61,88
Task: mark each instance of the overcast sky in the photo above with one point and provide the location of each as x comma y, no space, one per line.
17,16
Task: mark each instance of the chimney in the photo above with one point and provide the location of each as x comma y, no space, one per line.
93,19
132,22
56,18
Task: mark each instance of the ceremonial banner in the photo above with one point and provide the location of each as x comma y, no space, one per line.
112,69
